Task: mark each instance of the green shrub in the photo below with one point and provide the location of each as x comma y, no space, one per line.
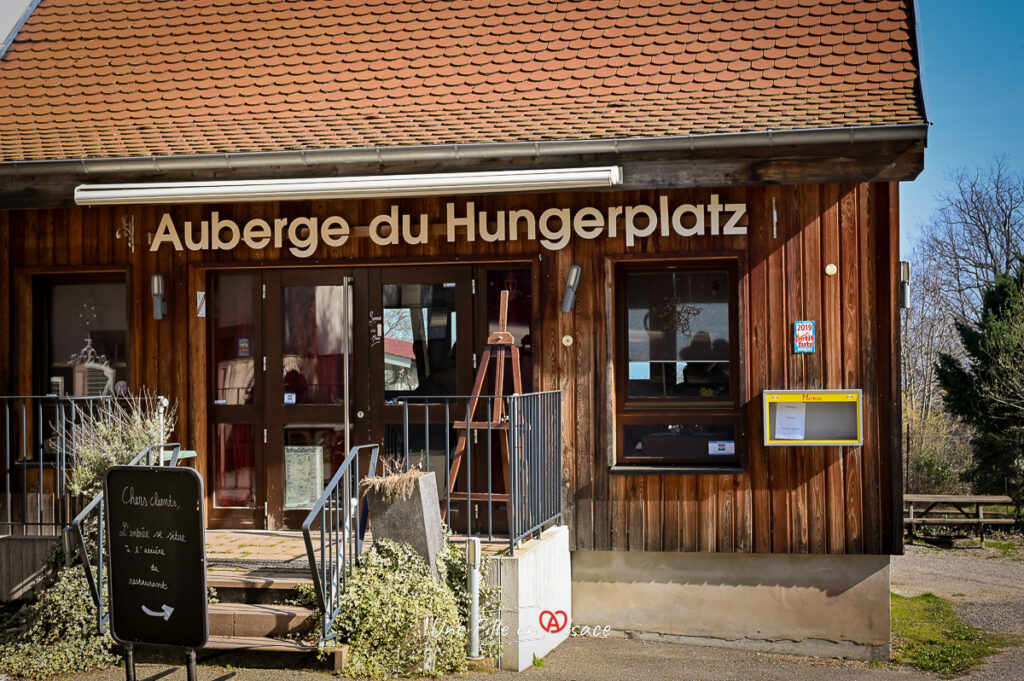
933,474
397,620
113,435
57,634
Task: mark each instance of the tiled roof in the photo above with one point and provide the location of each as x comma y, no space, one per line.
109,78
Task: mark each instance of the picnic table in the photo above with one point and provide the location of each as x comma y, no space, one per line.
953,510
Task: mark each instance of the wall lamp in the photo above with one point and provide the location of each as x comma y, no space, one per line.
569,297
156,287
904,284
361,187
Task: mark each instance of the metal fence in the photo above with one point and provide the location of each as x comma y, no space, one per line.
340,517
39,438
519,435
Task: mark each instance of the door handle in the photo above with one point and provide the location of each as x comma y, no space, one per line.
360,414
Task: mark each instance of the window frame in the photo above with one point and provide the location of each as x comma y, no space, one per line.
42,285
682,410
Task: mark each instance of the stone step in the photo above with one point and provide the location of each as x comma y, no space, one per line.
249,620
256,586
259,643
261,651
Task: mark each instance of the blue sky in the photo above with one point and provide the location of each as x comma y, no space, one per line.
973,60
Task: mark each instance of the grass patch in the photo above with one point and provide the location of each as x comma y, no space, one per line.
927,634
1007,548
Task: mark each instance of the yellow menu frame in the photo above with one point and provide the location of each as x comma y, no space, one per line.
814,397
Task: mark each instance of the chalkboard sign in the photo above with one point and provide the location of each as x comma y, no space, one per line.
157,556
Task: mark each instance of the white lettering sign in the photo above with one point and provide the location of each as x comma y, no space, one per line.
554,228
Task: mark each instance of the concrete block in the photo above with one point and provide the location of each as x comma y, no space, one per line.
822,605
536,598
22,561
415,521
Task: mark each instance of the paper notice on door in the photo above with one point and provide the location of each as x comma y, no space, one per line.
303,476
790,418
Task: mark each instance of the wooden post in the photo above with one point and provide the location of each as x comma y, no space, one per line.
910,528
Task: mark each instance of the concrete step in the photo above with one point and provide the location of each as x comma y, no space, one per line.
248,620
259,643
256,586
260,651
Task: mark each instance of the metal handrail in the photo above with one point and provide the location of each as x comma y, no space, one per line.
96,580
342,525
533,420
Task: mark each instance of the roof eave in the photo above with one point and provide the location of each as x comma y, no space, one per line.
448,156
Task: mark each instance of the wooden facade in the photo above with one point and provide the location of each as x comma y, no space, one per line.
787,500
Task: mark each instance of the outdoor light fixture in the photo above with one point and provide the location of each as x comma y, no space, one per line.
569,297
156,287
362,187
904,284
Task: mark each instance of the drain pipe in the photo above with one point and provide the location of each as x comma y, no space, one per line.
473,577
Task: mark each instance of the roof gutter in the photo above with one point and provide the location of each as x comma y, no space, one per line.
455,153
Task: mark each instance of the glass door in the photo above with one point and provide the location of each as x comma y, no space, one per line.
309,387
425,349
236,471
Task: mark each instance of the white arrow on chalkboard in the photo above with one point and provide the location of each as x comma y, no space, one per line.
165,613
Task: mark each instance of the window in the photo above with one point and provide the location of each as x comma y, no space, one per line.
677,359
420,323
82,329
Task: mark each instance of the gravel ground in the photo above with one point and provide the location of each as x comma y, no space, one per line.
986,588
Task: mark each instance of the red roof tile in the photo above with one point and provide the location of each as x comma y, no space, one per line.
101,78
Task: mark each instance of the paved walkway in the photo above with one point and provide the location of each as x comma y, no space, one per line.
256,550
277,551
612,659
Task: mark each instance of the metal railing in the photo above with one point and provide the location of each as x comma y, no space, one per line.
341,513
40,440
535,465
530,496
93,561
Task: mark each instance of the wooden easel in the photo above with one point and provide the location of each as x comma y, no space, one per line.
501,345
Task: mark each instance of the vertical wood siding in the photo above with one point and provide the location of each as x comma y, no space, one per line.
789,499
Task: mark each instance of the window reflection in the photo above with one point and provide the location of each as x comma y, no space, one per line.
233,339
314,340
87,339
234,457
678,334
419,339
520,315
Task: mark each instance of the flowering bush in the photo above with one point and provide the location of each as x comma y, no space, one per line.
113,435
397,620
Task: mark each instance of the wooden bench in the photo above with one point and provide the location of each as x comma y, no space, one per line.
953,510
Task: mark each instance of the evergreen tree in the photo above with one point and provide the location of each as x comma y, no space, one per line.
986,389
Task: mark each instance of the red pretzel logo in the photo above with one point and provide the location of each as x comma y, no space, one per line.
549,621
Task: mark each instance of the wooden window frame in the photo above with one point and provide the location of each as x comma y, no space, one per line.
632,411
41,284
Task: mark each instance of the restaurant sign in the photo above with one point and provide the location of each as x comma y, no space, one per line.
553,228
